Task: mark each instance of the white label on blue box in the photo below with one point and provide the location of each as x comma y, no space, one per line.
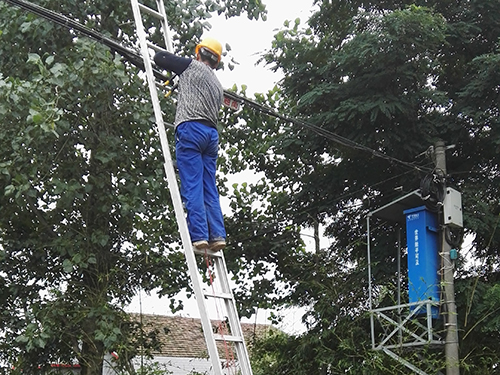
417,256
411,217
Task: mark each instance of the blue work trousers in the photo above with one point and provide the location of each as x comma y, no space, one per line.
196,147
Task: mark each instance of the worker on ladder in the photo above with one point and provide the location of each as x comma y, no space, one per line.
200,96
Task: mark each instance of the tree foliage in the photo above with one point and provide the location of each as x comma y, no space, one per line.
85,209
393,77
85,217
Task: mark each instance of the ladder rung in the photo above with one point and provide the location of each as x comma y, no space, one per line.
217,254
156,48
218,295
169,125
228,338
150,11
224,294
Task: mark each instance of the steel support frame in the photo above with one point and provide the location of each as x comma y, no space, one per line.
399,326
426,335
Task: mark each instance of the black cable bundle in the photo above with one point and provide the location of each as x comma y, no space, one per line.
432,190
454,236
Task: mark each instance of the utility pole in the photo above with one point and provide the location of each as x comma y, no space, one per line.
451,343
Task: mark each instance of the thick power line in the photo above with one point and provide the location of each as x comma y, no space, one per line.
135,58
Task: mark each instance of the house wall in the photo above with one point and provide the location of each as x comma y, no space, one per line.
182,366
170,365
107,368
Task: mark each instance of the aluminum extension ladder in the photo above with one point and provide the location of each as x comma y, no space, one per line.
220,294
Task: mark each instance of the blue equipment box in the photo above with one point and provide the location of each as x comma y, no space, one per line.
422,237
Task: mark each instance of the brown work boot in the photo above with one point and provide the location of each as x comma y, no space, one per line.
217,245
201,245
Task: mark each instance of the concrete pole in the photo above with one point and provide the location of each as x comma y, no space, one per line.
451,344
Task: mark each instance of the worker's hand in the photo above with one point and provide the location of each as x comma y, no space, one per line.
170,82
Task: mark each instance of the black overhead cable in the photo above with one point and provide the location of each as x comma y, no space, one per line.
136,59
130,55
325,133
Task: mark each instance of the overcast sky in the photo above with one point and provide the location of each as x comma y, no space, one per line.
248,39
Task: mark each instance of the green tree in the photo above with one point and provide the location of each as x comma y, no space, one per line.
85,215
393,77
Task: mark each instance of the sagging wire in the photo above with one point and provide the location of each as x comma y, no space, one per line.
136,59
128,54
322,132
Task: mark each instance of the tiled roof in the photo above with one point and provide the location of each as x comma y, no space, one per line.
183,337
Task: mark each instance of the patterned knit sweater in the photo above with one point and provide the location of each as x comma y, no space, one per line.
200,92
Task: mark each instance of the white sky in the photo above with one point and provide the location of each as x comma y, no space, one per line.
248,40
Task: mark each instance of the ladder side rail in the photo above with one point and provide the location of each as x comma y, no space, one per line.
234,321
169,170
236,330
164,24
174,191
230,302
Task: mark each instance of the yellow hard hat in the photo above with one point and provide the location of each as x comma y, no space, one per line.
212,45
